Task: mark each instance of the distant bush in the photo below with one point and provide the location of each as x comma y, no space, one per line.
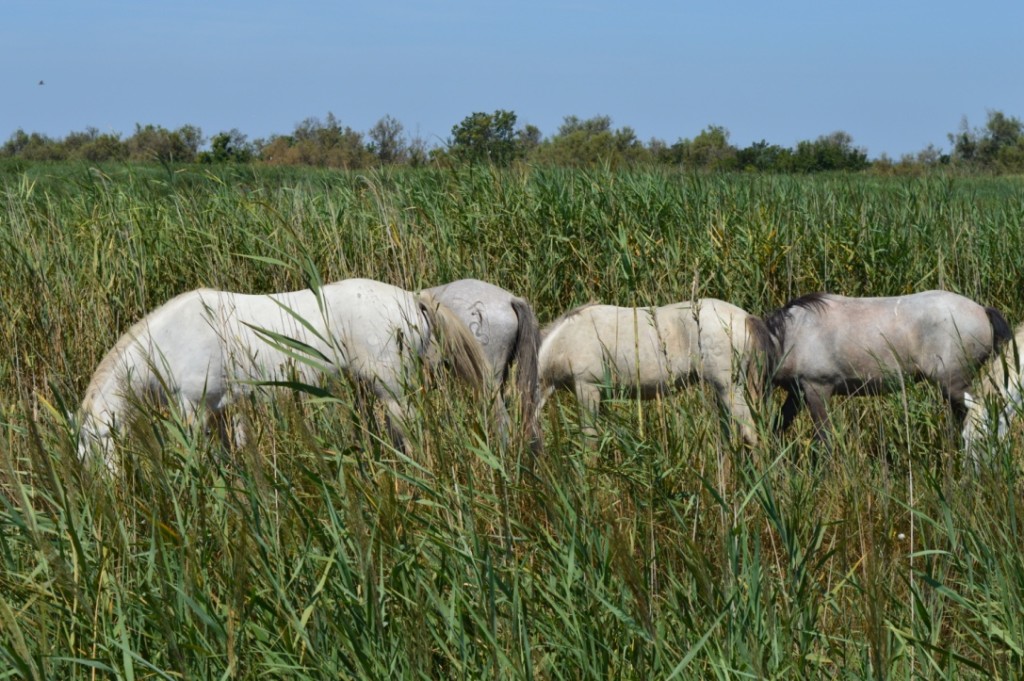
495,139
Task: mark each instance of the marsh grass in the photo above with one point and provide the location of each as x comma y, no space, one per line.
665,551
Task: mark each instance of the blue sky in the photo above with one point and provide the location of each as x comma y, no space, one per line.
895,75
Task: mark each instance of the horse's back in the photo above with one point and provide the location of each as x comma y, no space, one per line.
655,344
487,311
169,338
935,334
926,328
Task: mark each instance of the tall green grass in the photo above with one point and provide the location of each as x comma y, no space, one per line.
317,551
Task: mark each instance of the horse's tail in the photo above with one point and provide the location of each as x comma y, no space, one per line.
1001,331
762,357
458,344
527,371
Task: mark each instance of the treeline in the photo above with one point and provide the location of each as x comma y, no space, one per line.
495,139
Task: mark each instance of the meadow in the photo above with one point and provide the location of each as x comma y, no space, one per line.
666,551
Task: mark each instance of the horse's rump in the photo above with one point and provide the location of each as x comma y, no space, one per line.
507,330
456,341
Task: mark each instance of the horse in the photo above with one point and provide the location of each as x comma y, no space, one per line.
998,396
829,344
645,352
507,330
205,349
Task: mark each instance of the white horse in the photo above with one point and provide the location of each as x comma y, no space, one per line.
998,395
645,352
507,330
830,344
204,349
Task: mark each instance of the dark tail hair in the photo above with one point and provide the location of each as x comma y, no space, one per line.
1001,331
527,371
763,356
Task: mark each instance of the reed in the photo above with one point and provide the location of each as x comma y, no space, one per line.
317,551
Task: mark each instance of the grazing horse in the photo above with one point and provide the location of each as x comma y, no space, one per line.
999,387
204,349
648,351
507,330
829,344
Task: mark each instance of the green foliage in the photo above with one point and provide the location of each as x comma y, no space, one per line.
709,150
31,147
485,138
761,156
591,142
228,147
387,143
326,144
493,139
156,144
997,146
828,152
317,552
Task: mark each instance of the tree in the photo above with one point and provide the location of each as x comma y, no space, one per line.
1000,144
228,147
94,146
386,141
583,142
828,152
762,156
31,147
528,138
709,150
485,138
318,143
156,143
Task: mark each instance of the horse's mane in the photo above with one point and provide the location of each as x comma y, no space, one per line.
551,326
776,321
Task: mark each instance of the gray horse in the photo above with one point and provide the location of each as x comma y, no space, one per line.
829,344
649,351
508,332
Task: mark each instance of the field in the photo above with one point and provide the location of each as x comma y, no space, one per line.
667,551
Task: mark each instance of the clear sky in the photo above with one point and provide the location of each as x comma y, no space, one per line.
896,75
